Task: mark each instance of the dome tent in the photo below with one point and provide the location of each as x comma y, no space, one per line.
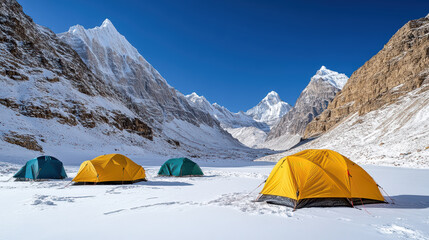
180,167
43,167
319,178
110,169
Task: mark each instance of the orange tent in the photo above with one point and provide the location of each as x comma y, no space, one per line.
319,178
110,168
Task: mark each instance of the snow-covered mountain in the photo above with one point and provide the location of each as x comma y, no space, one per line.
249,128
103,97
108,54
269,110
315,98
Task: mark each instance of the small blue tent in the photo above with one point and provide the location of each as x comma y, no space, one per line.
43,167
180,167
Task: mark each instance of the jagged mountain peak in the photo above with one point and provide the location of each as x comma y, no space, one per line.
270,109
106,36
336,79
272,98
194,97
107,23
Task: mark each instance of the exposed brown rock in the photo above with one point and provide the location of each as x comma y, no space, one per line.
23,140
79,114
401,66
133,125
174,142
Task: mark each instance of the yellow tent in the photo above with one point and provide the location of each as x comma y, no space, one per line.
319,178
110,168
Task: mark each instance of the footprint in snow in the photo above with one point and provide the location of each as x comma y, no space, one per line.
51,200
401,232
244,202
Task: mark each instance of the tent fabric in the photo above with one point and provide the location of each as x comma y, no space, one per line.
43,167
180,167
110,168
322,178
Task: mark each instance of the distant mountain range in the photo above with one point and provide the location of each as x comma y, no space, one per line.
249,127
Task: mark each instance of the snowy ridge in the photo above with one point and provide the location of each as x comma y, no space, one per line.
227,118
99,43
108,37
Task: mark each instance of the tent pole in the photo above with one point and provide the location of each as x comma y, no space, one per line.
67,184
382,189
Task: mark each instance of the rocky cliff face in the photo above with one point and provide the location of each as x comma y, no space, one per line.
401,66
313,100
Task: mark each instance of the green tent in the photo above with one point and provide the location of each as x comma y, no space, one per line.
43,167
180,167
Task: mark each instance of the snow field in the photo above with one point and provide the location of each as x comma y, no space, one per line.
216,206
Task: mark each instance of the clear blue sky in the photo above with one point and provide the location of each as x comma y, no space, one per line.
235,52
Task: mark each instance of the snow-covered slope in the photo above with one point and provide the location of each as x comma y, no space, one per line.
249,128
313,100
270,109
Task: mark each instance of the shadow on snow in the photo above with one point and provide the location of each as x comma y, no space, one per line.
163,183
404,202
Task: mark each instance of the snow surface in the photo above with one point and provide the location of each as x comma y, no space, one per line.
249,136
216,206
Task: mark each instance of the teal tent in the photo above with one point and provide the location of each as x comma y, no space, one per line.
180,167
43,167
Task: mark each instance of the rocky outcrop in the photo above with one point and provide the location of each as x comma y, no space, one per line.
24,140
401,66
